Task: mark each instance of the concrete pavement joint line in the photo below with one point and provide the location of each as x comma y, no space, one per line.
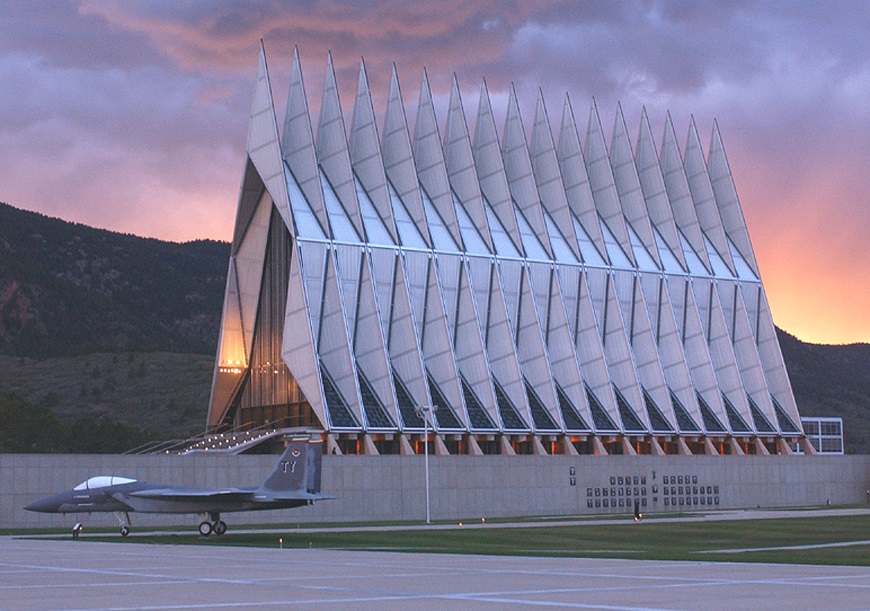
132,574
541,603
783,547
267,603
93,585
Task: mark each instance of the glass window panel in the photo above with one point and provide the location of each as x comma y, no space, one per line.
561,250
408,233
669,261
306,223
744,272
719,268
531,244
473,242
342,228
504,246
441,238
614,250
696,268
590,254
376,231
641,254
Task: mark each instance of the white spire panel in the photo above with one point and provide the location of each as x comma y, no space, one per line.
576,180
702,194
726,199
490,169
333,343
298,145
398,159
297,348
437,347
369,344
365,154
696,349
429,159
677,186
602,183
518,170
459,161
628,185
548,177
655,193
332,151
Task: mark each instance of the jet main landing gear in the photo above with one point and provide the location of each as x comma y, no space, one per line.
125,523
213,525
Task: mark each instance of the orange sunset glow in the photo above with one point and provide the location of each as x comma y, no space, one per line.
133,116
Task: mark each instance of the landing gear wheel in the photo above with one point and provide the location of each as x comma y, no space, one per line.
220,527
205,529
125,530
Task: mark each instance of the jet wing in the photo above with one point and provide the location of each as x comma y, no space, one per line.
291,495
184,494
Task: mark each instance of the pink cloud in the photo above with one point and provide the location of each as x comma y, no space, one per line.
133,115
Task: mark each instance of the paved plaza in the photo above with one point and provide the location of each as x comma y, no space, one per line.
67,574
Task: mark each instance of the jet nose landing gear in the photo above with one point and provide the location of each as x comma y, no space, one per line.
212,525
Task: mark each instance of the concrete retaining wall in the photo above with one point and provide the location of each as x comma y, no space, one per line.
462,487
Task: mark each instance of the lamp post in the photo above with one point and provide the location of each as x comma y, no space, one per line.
425,412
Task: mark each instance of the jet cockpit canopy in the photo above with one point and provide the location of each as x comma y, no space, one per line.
101,481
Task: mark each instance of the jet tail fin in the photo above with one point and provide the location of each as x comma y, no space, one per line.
298,469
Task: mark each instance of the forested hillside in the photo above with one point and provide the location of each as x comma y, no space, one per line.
120,332
67,289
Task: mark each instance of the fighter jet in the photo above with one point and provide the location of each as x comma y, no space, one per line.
293,482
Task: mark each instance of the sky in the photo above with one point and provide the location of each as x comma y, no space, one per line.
133,116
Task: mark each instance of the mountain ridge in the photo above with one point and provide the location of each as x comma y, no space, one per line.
71,291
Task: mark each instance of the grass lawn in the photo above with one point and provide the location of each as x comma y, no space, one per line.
649,539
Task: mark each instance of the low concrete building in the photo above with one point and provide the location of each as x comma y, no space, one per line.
462,487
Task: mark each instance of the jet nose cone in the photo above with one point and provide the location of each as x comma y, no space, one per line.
47,505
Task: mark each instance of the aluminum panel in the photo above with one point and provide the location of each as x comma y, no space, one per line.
490,170
369,343
532,352
548,177
468,343
429,160
771,359
437,346
298,349
263,148
602,183
560,344
590,352
617,350
702,195
518,170
298,145
249,267
673,360
654,191
459,161
333,342
365,154
398,160
696,349
748,361
677,186
628,186
332,151
576,180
